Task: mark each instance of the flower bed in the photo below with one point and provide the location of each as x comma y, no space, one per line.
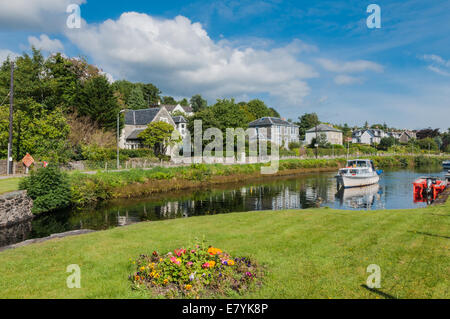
195,272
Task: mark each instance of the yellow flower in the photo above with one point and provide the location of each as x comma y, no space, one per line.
142,268
212,263
230,262
188,287
160,259
165,281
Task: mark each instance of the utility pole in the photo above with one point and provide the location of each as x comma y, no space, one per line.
11,100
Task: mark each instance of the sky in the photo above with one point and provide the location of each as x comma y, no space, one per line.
297,56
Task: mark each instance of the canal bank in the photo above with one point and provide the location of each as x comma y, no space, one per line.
303,191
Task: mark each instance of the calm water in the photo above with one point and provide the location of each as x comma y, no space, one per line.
298,192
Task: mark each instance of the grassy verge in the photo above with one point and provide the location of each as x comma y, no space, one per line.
314,253
9,185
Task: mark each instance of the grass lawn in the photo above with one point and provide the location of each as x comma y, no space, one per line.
9,184
314,253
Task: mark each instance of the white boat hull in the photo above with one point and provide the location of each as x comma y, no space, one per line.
357,181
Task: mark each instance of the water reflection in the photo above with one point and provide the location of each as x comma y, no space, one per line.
297,192
367,197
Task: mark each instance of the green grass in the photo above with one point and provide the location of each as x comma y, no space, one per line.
9,185
314,253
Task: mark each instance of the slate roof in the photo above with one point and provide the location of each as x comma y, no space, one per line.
140,117
323,128
134,134
269,121
373,132
170,108
179,119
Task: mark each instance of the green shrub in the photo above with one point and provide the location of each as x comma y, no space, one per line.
49,188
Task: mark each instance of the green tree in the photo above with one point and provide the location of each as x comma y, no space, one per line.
386,143
168,100
136,100
307,121
158,136
97,100
427,143
151,93
198,103
49,188
184,102
274,112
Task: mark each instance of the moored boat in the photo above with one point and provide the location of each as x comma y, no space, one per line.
428,188
446,164
357,173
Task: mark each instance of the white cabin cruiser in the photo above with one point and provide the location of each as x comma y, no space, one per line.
357,173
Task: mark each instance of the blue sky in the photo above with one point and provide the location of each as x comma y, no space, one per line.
298,56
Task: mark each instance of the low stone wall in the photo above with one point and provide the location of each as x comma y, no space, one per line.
15,207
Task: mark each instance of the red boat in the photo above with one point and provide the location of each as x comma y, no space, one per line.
428,188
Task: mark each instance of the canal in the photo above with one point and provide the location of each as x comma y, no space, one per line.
295,192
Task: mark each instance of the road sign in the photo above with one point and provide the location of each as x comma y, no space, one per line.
28,160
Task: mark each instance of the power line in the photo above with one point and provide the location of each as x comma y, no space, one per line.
5,99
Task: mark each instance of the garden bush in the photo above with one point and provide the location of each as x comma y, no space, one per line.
48,187
195,272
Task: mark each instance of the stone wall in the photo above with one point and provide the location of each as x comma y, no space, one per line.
15,207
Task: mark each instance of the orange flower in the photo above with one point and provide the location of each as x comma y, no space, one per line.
212,263
188,287
214,251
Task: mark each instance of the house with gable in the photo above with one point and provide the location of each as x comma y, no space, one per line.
368,136
137,121
332,134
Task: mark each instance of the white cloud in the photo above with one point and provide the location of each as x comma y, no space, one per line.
349,67
343,79
44,43
35,15
438,70
5,53
436,59
438,64
180,57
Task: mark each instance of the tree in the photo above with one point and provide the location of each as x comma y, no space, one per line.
151,93
307,121
427,143
184,102
274,112
158,136
168,100
386,142
97,100
428,132
136,100
49,188
258,109
198,103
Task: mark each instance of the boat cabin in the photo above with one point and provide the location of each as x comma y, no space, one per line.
358,167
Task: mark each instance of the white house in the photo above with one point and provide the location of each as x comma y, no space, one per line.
275,130
137,121
368,136
333,135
